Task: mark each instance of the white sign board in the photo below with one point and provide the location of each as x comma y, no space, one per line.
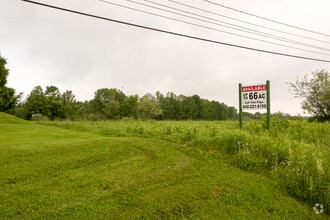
254,97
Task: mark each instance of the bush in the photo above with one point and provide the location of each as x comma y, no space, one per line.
39,117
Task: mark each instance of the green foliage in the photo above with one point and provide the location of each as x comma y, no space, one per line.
49,103
108,102
315,92
193,107
35,103
128,107
113,104
68,101
3,72
294,154
54,103
8,98
38,117
149,108
50,172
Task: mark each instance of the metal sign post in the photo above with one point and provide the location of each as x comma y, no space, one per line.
254,97
268,104
240,106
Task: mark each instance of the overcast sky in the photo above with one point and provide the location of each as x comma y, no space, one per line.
49,47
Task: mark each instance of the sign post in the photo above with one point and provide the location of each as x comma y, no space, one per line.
254,97
268,104
240,106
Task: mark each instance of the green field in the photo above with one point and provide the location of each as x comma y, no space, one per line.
162,170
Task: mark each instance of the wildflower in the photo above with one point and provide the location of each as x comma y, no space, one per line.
319,166
210,152
318,208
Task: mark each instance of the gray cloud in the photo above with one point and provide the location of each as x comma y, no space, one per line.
45,47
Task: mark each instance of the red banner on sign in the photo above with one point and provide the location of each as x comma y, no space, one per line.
254,88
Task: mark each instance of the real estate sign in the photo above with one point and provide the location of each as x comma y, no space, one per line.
254,97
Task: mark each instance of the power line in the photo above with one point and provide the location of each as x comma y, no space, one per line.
239,28
256,25
267,19
173,33
205,27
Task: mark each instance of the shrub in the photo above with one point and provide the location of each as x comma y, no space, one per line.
39,117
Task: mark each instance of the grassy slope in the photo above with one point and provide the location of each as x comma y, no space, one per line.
294,154
49,172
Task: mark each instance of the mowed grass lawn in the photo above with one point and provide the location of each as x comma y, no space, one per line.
49,172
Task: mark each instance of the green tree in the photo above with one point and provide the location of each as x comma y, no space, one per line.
149,108
68,101
54,103
8,98
36,103
219,111
315,91
168,104
129,106
197,112
232,112
50,103
108,102
205,109
189,107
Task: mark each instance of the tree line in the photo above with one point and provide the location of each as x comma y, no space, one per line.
114,104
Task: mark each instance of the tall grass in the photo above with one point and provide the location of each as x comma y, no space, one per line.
295,154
